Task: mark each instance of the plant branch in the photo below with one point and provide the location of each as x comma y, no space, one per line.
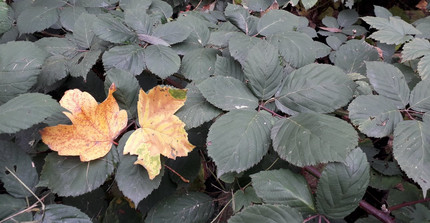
174,83
363,204
395,207
23,211
270,111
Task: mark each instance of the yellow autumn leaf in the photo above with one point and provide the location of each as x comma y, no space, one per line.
94,126
160,132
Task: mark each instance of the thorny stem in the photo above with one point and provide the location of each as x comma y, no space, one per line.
363,204
395,207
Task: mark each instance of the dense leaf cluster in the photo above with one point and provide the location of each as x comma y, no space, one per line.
268,96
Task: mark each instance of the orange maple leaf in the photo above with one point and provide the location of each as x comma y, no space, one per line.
94,126
160,132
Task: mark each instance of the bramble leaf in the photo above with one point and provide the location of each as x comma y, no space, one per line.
130,58
228,93
391,30
189,208
267,213
315,88
420,96
411,148
342,185
311,138
389,82
94,126
284,187
160,132
375,115
239,139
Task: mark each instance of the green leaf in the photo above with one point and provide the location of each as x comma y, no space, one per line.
61,213
5,20
196,109
277,21
239,46
416,48
20,64
263,70
315,88
321,50
112,29
411,148
295,48
308,3
81,177
36,18
347,17
375,115
199,64
311,138
239,139
162,60
172,32
130,58
69,15
391,30
424,67
382,12
82,63
161,7
228,93
10,205
284,187
389,82
342,185
152,40
420,96
54,69
83,30
245,198
267,213
58,46
133,180
199,31
26,110
137,19
20,163
257,5
383,182
193,207
352,55
241,18
127,88
228,67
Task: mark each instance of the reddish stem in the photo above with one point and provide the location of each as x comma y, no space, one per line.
174,83
179,175
363,204
270,111
395,207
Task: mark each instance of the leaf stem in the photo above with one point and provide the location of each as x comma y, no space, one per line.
395,207
179,175
384,217
270,111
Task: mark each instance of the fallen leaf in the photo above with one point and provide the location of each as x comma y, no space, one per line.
160,132
94,126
